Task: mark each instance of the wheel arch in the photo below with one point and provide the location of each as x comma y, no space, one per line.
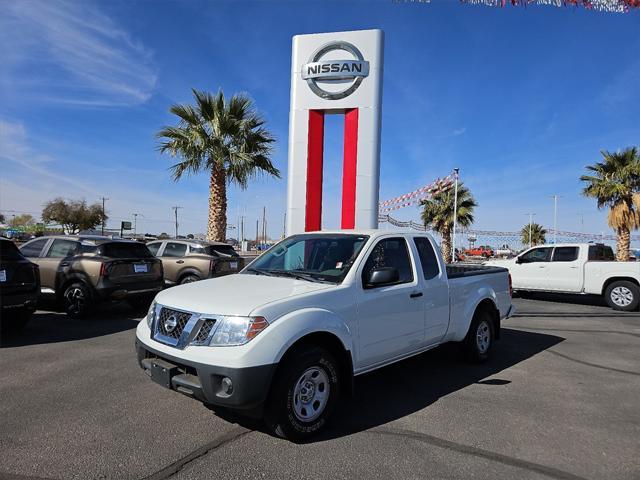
189,271
488,305
331,343
621,278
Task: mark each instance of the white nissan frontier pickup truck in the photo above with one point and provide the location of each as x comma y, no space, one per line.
582,268
284,338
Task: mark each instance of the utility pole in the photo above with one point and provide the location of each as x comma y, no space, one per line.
456,172
135,222
175,212
581,215
104,199
284,225
530,229
555,217
264,224
257,237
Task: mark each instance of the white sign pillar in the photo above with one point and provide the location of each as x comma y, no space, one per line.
335,73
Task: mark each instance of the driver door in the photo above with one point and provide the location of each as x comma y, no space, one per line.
530,271
390,317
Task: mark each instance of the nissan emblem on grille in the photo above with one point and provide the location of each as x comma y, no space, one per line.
170,324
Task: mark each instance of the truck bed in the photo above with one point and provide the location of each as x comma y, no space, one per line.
458,270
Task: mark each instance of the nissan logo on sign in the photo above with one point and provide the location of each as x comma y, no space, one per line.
326,72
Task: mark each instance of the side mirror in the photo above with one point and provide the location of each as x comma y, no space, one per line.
382,276
520,260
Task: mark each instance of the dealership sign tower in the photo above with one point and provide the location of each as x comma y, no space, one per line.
335,73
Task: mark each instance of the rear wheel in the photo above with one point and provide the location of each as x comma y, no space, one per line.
479,340
77,300
304,394
622,295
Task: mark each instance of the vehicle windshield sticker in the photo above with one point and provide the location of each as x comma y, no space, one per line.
339,265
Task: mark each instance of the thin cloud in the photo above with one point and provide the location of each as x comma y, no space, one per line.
459,131
71,53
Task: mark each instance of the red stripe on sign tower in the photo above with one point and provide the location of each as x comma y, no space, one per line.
313,213
349,169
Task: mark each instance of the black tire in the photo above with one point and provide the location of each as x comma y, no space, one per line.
14,320
622,295
478,343
189,279
286,405
77,300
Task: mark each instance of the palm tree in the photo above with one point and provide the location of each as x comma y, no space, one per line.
615,183
227,139
538,234
437,213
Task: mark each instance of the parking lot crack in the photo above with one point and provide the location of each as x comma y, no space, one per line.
479,452
213,445
589,364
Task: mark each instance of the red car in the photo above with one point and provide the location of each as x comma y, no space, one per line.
481,251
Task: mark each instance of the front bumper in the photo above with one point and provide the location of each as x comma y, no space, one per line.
204,382
20,300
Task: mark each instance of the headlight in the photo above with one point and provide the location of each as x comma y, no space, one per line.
238,330
151,314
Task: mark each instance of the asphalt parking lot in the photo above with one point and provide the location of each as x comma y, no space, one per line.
559,399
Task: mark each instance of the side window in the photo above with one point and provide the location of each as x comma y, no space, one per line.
390,252
154,247
196,249
601,253
62,248
565,254
428,257
175,250
537,255
33,249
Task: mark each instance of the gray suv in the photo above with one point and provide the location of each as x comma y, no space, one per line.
186,261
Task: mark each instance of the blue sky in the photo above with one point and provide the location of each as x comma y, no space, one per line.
520,99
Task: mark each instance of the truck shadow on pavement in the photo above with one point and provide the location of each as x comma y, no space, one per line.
587,300
412,385
52,326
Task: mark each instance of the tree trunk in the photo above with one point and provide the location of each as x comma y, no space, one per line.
622,247
217,222
445,246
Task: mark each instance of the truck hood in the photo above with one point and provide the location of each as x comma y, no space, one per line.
234,294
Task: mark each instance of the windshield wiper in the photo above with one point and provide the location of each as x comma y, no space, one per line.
260,272
297,275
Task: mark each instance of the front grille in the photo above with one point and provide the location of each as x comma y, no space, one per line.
181,321
205,330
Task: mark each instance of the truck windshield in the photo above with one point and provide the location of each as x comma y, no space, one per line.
312,257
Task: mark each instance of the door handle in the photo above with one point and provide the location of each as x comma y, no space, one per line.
180,261
64,264
415,295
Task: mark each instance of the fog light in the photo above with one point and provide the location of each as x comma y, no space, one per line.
227,386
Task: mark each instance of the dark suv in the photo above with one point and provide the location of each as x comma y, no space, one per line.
81,271
186,261
19,287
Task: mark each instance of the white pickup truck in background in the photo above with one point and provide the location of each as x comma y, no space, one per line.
584,268
285,337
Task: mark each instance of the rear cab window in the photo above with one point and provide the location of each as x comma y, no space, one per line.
124,250
428,257
565,254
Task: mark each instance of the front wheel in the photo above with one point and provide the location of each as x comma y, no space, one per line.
479,340
304,394
622,295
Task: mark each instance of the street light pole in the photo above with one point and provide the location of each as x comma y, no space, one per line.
175,212
530,228
555,218
456,171
103,213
